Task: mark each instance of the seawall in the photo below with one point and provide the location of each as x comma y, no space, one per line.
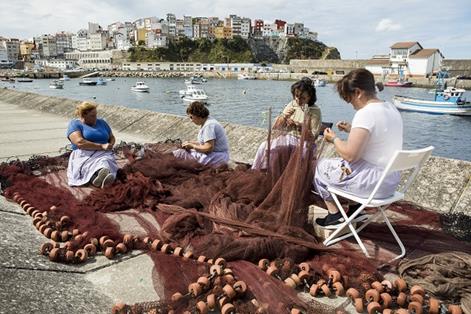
442,185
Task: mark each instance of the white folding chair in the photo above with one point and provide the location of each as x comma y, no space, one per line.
402,160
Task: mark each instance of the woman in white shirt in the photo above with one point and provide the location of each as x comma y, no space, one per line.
212,146
374,135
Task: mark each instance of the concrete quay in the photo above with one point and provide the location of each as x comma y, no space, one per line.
32,124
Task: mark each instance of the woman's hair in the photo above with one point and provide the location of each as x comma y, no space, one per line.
305,85
198,109
361,79
84,107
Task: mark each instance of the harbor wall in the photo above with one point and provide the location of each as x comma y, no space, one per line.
442,185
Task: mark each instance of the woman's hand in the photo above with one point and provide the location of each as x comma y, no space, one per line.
329,135
344,126
188,145
289,113
107,146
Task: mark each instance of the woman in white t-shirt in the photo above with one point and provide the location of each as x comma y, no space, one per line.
212,146
374,135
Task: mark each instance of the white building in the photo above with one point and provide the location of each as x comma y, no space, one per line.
154,40
47,46
188,26
121,42
60,64
379,65
245,27
80,40
270,30
400,53
425,62
63,42
97,41
11,48
4,61
172,24
101,60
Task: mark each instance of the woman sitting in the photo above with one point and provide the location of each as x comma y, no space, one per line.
374,135
291,120
212,147
92,160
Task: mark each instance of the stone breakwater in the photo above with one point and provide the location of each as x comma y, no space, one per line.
443,184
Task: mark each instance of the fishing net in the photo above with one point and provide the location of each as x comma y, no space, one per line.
228,225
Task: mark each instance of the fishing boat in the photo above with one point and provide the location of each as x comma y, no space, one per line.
319,82
140,87
448,101
193,93
100,81
87,82
398,83
24,80
56,84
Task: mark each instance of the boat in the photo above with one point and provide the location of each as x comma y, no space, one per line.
194,93
100,81
245,76
56,84
398,83
195,80
448,101
9,80
319,82
24,80
64,78
87,82
140,87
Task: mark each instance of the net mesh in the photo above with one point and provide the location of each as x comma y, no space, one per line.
239,214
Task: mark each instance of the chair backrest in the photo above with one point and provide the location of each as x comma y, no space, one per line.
405,160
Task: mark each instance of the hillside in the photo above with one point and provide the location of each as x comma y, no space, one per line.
235,50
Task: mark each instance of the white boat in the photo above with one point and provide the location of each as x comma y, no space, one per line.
319,82
57,84
140,87
100,81
195,80
64,78
245,76
193,93
448,101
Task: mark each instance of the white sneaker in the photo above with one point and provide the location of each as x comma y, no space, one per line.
102,174
108,180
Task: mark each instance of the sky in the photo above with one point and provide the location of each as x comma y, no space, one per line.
358,29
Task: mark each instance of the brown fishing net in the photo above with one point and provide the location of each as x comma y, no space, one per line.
205,214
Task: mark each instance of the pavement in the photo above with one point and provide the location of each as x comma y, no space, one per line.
30,283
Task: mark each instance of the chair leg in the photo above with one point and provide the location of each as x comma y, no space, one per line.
398,240
348,221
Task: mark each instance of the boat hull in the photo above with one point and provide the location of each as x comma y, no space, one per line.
398,84
140,90
430,106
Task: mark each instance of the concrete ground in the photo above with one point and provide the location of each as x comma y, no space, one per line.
30,283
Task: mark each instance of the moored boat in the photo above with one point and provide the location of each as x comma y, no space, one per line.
24,80
448,101
87,82
140,87
56,84
398,83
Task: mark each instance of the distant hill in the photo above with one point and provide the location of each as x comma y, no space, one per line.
235,50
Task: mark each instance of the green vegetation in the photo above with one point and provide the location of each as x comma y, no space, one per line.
235,50
299,48
200,50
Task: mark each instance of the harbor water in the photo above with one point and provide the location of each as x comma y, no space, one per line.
246,102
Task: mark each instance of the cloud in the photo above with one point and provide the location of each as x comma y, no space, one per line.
387,25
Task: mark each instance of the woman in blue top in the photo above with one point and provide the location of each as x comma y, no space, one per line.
92,159
212,147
